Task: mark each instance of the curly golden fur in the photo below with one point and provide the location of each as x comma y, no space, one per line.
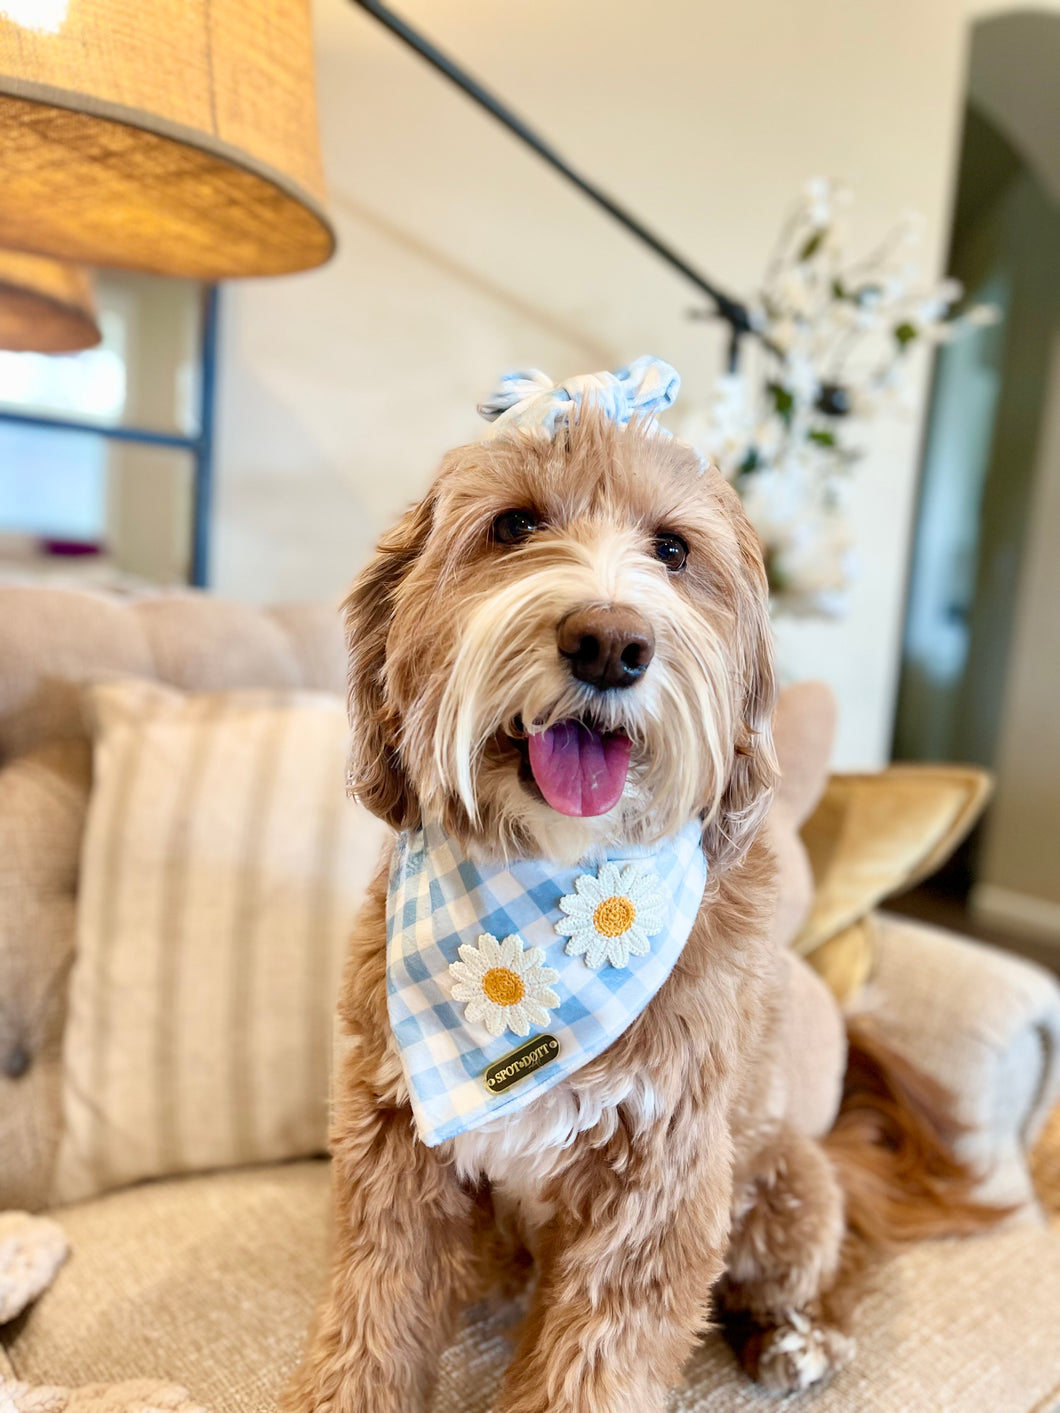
637,1182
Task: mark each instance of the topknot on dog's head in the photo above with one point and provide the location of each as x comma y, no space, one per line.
531,401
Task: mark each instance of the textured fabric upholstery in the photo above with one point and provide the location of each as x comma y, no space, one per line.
52,643
207,1282
223,1273
984,1023
43,795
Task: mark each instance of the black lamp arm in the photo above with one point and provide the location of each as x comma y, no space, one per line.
727,308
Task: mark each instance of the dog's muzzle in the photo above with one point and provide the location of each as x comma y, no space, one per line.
606,647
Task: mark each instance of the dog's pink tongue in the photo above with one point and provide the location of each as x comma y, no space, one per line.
579,771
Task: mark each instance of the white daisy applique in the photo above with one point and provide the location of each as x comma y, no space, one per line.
612,916
504,984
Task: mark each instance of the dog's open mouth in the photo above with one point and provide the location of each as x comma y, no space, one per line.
578,769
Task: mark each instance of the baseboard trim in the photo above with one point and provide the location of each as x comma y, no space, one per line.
1036,917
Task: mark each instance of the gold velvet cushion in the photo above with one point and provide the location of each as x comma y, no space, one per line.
221,867
1045,1167
872,836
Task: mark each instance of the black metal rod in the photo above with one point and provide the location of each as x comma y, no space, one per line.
202,492
114,432
726,307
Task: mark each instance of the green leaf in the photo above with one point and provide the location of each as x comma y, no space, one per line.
783,401
821,436
839,290
749,463
905,334
775,576
813,244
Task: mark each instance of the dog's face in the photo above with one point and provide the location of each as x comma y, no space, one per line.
566,643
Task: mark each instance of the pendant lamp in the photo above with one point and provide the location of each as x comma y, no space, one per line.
174,136
46,306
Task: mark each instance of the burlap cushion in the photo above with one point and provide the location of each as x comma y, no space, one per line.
221,868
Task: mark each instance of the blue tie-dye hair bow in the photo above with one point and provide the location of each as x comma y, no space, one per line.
531,400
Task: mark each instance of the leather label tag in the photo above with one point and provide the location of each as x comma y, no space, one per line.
519,1063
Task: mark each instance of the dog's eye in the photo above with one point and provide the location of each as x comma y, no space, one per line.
671,550
514,526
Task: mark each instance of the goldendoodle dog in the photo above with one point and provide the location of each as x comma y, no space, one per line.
558,1020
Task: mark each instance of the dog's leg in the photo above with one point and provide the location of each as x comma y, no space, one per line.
405,1263
637,1239
785,1254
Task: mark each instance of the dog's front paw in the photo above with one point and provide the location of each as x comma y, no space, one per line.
798,1353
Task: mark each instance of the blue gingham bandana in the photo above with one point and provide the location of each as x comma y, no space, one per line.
503,979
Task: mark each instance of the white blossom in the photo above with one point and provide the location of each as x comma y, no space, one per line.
983,316
834,334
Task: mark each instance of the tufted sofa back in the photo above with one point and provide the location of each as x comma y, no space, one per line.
53,642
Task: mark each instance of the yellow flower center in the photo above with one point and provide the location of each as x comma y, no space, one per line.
614,916
503,987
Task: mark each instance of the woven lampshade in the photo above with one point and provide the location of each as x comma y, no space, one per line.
45,306
176,136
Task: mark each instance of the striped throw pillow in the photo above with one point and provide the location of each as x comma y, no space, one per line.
221,869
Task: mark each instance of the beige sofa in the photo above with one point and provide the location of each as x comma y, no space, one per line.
209,1280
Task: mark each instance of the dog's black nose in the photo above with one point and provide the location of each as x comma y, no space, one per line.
606,647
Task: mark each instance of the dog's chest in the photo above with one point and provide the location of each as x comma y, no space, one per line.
518,1154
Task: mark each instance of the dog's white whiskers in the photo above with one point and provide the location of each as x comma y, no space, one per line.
506,667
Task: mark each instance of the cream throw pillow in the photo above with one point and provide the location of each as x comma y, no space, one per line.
221,869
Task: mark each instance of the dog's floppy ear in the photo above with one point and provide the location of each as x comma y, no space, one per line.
375,775
754,773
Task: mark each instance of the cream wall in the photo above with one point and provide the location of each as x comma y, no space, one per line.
461,255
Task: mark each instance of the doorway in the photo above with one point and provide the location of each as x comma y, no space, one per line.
980,673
